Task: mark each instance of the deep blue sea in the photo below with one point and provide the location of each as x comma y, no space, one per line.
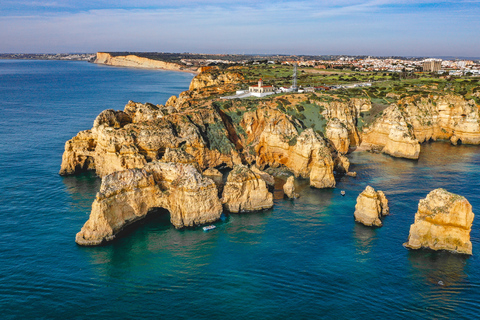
304,259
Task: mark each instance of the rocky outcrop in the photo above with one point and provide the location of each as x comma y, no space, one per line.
337,135
216,177
391,134
341,164
345,114
214,78
443,222
246,191
127,196
277,143
133,61
418,118
142,133
448,117
289,188
371,206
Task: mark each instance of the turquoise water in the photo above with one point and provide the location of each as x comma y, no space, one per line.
304,259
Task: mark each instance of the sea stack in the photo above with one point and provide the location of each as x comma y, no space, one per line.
246,191
289,188
371,206
443,222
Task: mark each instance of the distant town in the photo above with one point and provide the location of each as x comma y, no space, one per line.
455,67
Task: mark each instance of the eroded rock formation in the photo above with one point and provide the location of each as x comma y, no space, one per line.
443,222
391,134
245,191
117,142
371,206
277,143
210,78
415,119
289,188
127,196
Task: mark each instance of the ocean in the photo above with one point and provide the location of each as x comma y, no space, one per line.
303,259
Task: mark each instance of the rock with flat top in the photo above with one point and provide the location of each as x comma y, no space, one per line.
443,222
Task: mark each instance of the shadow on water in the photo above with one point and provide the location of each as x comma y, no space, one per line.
82,187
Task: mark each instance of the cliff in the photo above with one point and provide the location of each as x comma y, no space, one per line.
277,143
400,129
443,222
142,133
133,61
127,196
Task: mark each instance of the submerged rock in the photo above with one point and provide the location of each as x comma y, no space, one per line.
289,188
371,206
127,196
245,191
443,222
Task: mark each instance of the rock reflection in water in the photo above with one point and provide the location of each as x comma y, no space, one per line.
364,239
443,273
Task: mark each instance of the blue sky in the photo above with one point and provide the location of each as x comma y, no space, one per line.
382,27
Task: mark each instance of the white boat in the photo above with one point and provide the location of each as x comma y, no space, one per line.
208,228
342,192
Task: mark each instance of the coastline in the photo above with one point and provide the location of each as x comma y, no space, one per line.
133,61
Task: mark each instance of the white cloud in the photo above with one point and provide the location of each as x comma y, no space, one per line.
354,27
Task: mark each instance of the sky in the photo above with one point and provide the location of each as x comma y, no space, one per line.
345,27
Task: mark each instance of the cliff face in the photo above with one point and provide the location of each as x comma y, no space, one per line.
371,206
127,196
278,143
412,120
210,78
133,61
443,222
448,117
392,135
245,190
142,133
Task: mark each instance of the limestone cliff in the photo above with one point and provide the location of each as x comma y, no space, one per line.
245,191
133,61
211,77
448,117
127,196
277,143
391,134
443,222
371,206
142,133
337,135
418,118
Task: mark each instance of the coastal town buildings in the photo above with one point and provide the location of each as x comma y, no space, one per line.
432,65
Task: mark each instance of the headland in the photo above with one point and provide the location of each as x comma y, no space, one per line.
169,155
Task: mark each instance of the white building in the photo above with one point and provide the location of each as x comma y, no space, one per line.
260,90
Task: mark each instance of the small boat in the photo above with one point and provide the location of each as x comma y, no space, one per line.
342,192
208,228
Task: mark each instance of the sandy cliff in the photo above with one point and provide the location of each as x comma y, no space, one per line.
418,118
127,196
133,61
443,222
